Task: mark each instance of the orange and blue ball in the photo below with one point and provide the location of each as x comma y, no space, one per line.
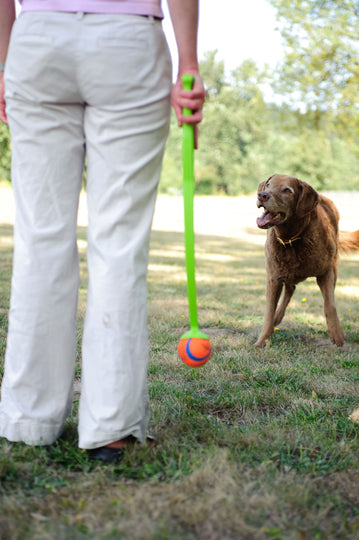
194,351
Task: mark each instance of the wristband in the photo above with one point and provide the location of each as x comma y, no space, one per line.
2,66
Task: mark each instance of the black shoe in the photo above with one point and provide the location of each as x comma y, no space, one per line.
107,454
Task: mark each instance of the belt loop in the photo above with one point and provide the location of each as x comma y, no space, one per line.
151,18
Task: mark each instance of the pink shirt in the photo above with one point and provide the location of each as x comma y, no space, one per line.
130,7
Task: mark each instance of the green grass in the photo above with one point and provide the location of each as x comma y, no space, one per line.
257,444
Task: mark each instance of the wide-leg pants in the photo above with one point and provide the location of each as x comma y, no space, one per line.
97,86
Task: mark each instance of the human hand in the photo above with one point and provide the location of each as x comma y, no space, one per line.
3,116
190,99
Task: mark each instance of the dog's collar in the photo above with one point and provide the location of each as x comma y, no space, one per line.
297,236
289,242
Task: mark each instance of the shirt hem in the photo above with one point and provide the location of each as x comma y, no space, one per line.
94,6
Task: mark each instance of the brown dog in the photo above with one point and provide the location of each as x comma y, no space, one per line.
302,241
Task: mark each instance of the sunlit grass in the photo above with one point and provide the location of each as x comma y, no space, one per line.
257,444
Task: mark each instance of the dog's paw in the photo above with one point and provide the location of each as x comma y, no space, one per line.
337,338
338,342
261,343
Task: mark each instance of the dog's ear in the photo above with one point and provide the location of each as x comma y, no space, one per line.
307,200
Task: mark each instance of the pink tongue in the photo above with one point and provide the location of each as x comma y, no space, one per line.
264,219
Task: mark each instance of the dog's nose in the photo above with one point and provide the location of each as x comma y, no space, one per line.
263,196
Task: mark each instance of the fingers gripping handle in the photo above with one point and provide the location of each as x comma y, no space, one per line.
187,81
188,134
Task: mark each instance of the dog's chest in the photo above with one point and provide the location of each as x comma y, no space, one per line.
295,263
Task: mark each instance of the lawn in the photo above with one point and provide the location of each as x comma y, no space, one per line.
256,444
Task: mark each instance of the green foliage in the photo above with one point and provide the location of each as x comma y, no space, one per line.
232,134
244,139
327,164
5,152
321,67
213,72
310,130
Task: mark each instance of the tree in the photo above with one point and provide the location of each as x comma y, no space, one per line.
233,130
243,139
237,129
213,73
321,67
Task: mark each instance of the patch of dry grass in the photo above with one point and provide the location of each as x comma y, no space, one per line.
218,500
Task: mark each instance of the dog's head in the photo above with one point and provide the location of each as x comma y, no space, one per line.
282,198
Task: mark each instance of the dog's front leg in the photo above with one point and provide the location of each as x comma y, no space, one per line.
326,283
273,292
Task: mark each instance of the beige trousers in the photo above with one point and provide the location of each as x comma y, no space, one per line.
97,86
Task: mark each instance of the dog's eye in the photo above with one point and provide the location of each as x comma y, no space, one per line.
287,190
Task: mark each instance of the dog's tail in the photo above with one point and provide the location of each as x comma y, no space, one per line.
349,241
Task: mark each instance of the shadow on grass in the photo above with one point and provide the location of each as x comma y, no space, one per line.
231,282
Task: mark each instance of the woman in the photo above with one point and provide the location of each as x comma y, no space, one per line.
86,78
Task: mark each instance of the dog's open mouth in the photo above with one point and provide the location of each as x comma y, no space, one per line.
269,219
